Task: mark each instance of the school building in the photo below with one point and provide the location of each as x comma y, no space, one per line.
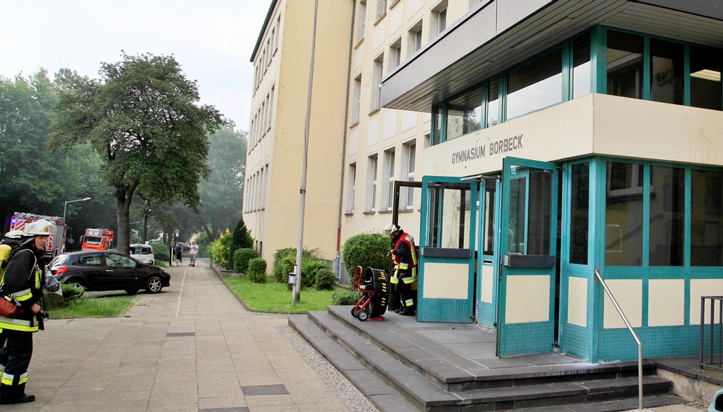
554,140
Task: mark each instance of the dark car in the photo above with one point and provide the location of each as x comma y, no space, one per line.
98,270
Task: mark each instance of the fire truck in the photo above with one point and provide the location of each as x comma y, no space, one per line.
56,242
97,239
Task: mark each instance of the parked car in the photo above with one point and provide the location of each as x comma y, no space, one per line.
99,270
143,253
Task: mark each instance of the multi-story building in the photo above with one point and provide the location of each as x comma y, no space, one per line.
278,126
559,145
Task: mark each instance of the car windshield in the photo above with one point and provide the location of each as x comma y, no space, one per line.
93,240
59,260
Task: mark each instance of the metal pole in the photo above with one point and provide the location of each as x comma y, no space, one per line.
296,293
65,205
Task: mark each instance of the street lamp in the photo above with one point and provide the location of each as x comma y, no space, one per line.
65,206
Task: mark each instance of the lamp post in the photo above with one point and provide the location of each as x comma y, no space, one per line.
65,206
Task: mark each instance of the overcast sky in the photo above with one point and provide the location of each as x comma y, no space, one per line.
212,40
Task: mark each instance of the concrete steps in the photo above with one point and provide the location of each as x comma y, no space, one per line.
399,376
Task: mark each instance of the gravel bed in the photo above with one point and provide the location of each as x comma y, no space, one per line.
345,391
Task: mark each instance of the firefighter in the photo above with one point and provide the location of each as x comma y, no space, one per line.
404,257
23,281
10,242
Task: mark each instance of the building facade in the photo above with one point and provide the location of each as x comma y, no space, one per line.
559,144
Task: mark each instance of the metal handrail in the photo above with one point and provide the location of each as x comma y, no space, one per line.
635,336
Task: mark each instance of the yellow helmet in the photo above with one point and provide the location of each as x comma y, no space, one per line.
40,227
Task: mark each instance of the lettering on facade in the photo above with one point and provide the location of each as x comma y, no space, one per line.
495,148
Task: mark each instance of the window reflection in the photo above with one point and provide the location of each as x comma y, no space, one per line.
625,65
534,85
581,66
464,114
579,207
706,243
624,215
666,77
493,102
705,78
667,212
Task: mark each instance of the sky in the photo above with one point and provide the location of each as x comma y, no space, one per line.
212,40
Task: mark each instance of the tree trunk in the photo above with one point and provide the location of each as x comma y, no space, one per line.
124,198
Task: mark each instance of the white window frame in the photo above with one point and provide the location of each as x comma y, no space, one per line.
388,167
351,188
361,21
376,85
414,36
372,164
409,153
356,100
395,54
381,9
439,19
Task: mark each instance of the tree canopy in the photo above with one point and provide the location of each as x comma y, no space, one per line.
143,119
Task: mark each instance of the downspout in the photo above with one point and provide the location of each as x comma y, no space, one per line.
344,138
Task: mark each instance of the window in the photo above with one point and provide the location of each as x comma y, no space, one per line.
381,8
705,78
666,77
534,85
389,158
625,65
464,114
356,100
361,21
92,260
278,33
376,85
493,102
414,39
706,241
439,18
667,213
624,215
271,108
372,183
395,54
436,136
580,215
409,151
488,235
582,69
351,188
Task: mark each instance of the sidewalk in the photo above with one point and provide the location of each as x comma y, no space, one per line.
192,347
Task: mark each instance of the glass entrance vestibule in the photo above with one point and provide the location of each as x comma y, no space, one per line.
516,252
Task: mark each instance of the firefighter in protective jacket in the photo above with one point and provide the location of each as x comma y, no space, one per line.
23,282
404,257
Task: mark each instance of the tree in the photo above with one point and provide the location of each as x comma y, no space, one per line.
222,192
141,117
35,180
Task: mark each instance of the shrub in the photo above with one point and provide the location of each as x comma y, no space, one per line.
367,250
310,266
325,279
345,297
241,258
240,239
285,259
219,248
256,270
160,251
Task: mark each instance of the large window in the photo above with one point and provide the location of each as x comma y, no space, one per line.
666,77
361,20
705,78
534,85
624,215
625,65
464,114
389,160
410,165
667,212
376,85
493,102
372,184
582,69
706,243
580,212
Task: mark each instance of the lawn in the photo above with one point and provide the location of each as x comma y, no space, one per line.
275,297
90,306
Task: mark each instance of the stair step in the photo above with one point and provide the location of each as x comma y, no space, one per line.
626,404
393,381
375,389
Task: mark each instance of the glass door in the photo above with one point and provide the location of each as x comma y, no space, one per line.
527,252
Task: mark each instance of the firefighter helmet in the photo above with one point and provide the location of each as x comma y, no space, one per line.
40,227
14,234
391,228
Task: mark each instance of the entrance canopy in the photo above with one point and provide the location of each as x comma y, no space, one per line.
500,33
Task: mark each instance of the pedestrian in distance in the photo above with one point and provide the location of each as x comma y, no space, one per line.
22,284
193,252
179,253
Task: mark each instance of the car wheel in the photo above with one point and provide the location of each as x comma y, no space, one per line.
131,291
76,283
154,284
